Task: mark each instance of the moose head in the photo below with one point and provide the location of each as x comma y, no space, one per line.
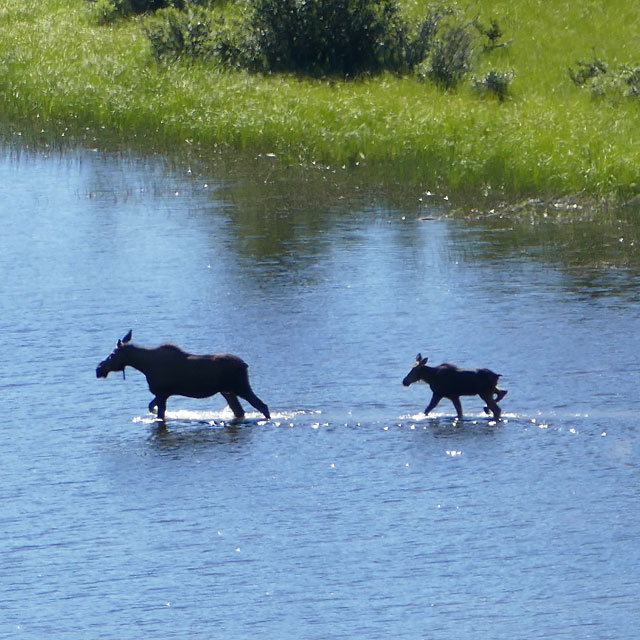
116,359
417,371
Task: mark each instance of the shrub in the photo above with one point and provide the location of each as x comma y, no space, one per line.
322,37
494,83
493,32
416,49
587,71
631,76
451,57
595,75
181,33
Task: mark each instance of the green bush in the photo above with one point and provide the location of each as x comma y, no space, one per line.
318,37
494,83
493,33
181,33
348,37
631,76
601,80
586,71
412,49
344,37
451,57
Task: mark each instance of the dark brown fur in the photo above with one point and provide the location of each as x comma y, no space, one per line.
448,381
170,371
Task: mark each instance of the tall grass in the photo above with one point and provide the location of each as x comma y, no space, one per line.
62,71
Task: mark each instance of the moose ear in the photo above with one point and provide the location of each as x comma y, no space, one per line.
419,357
423,361
127,338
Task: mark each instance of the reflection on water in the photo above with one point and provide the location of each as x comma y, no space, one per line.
349,514
598,251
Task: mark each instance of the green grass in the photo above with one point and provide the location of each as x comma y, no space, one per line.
59,70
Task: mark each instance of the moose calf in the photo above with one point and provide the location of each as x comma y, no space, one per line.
170,371
448,381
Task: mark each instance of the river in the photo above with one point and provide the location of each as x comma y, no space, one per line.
348,514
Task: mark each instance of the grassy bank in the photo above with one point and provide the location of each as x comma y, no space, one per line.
60,70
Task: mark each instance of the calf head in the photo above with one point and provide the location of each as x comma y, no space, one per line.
116,359
417,372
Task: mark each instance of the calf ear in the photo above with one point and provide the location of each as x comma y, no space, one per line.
419,357
127,338
424,361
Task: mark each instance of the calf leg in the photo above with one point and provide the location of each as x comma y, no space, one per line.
153,404
435,398
491,405
499,394
234,404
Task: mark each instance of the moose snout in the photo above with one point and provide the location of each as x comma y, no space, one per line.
406,382
100,372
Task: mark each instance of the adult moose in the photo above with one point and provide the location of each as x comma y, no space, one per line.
448,381
170,371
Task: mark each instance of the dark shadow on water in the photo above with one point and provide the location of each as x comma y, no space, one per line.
172,435
443,426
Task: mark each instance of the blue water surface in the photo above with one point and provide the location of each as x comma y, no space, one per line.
348,514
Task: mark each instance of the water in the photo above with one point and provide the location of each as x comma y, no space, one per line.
349,514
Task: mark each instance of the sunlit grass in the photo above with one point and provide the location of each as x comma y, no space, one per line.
60,70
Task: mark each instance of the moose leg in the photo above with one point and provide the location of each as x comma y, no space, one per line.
499,394
255,402
458,405
435,398
153,404
234,404
491,404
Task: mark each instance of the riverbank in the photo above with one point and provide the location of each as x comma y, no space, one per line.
63,74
